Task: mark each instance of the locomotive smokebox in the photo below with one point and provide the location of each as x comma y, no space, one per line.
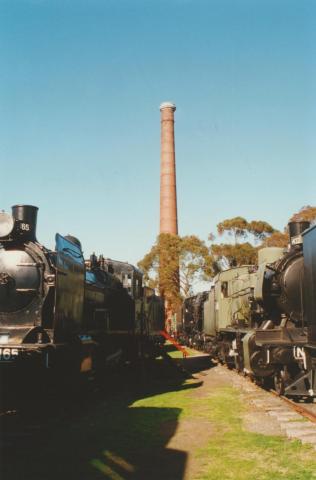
297,228
26,219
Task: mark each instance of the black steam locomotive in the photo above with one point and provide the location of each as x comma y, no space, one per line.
62,314
262,319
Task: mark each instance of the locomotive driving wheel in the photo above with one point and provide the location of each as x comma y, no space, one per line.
239,364
279,381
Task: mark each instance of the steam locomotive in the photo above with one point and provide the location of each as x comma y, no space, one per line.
62,315
261,319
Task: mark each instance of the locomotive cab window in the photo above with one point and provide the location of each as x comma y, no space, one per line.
224,289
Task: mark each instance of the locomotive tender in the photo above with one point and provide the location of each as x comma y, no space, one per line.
62,314
261,319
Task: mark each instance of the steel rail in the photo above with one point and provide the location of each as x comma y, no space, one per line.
299,408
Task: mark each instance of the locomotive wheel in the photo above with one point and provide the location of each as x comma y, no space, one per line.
279,382
223,354
238,364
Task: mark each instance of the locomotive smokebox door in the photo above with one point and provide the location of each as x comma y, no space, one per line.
70,271
309,249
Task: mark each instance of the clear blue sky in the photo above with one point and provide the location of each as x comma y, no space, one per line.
80,88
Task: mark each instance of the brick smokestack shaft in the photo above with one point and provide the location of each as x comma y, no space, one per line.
168,189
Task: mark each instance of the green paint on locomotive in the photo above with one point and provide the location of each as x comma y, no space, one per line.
228,303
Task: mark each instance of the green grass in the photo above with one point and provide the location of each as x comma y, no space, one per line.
234,453
178,354
173,352
180,399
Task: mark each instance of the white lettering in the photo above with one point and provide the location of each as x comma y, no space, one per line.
299,354
8,354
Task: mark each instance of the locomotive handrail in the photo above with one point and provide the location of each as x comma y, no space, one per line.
26,289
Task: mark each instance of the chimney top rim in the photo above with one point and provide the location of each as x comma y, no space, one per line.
164,105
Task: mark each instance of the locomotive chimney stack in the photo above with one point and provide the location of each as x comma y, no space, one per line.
296,229
168,192
26,219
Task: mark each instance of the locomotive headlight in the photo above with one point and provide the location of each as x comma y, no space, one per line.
6,224
4,338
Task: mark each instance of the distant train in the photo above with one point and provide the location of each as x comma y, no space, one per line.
261,319
63,315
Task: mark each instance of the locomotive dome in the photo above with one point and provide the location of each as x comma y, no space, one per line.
6,224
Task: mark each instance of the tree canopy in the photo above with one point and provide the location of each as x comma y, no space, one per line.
235,227
239,227
240,253
277,239
281,239
259,229
305,213
174,264
177,263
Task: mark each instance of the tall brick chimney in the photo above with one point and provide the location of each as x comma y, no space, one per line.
168,190
168,203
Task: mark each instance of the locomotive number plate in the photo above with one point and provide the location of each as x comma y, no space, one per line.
8,354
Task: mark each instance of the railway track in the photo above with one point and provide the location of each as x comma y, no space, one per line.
296,420
306,410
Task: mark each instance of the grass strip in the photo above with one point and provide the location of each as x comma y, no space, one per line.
233,452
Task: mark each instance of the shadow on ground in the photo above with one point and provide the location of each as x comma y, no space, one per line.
101,437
